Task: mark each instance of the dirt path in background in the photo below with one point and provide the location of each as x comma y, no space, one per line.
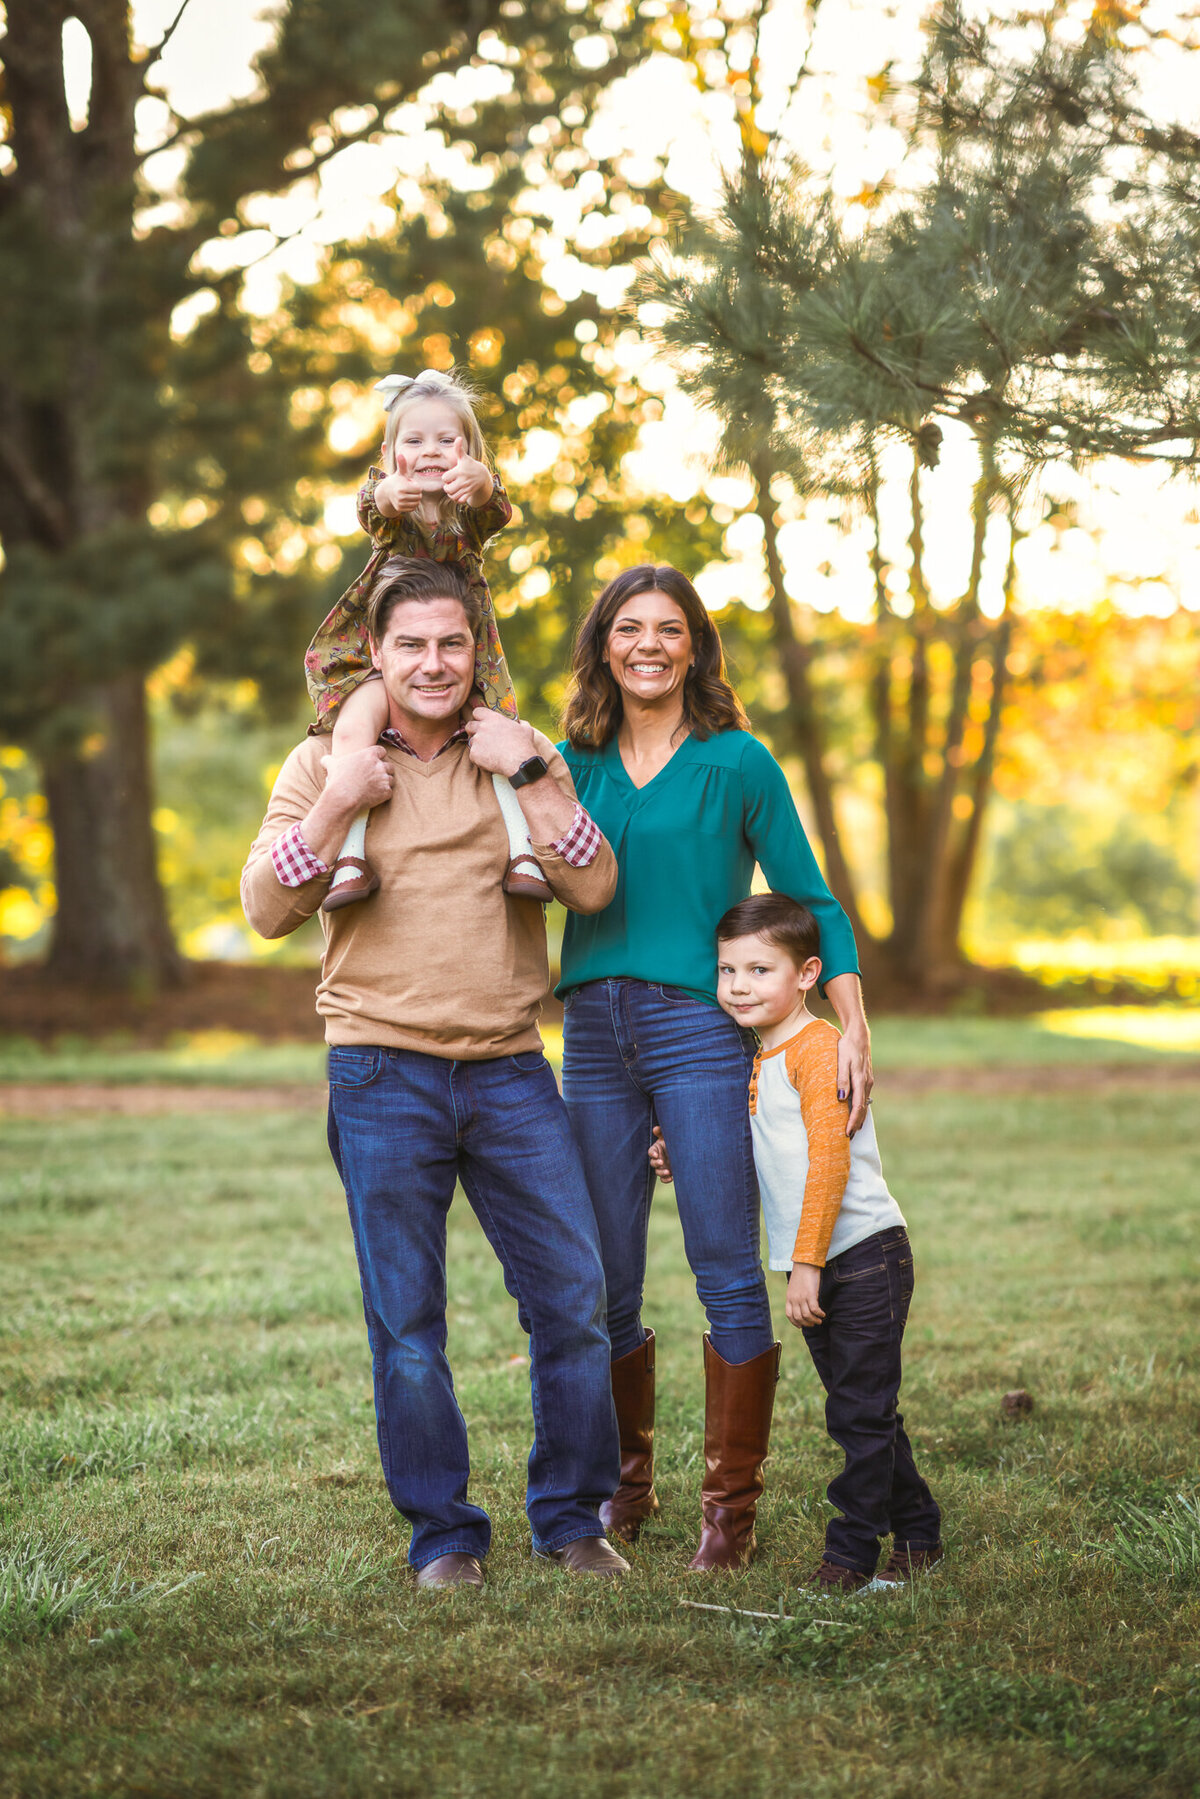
46,1098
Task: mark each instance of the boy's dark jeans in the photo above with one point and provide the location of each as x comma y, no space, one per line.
865,1294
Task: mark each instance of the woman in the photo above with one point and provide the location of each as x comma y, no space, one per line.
661,758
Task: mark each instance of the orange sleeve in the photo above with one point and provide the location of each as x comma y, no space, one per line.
812,1070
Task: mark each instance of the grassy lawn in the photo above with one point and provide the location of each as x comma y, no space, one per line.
1084,1036
202,1585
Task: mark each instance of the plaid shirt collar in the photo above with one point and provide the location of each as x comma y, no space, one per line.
395,739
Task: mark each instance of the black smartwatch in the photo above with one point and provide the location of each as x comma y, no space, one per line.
529,771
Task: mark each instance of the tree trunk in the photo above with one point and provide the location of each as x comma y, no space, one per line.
961,863
908,814
802,712
111,927
932,846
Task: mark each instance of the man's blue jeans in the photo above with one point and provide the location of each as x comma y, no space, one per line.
636,1054
403,1127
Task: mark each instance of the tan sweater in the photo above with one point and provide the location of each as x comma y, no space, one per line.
440,959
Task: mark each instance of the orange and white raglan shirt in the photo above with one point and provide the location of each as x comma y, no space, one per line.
822,1192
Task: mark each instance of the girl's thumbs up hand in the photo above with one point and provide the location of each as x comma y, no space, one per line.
399,492
467,482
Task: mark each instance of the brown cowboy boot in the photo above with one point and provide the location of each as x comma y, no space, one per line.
739,1398
633,1395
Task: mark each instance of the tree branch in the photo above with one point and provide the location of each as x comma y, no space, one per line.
41,501
156,51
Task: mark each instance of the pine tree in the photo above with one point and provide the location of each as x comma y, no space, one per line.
1036,289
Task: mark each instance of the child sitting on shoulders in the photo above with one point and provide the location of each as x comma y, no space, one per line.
435,497
834,1226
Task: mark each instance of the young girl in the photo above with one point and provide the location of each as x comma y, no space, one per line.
436,497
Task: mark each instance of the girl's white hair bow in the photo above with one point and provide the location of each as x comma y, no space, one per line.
392,386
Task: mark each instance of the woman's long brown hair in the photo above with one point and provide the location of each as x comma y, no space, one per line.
592,714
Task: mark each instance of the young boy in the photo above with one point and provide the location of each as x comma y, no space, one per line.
832,1223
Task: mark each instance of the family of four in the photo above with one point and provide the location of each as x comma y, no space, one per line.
688,1050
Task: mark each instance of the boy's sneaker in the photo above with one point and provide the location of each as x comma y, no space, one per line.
831,1578
904,1562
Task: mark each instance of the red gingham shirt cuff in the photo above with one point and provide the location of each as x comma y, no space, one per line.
580,845
293,861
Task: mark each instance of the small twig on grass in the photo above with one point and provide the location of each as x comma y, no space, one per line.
780,1617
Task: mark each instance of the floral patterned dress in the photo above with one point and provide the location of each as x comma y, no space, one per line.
339,657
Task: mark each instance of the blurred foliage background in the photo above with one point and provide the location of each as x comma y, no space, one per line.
880,328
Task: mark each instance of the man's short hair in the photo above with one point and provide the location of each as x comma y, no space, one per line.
778,919
418,578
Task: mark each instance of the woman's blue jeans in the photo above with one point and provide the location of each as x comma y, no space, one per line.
403,1128
636,1054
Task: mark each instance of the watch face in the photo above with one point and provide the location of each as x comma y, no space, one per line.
531,770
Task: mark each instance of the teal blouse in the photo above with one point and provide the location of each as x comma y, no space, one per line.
686,845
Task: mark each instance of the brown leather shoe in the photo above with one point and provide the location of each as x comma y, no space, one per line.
524,878
454,1570
905,1561
831,1577
586,1555
633,1395
347,892
739,1398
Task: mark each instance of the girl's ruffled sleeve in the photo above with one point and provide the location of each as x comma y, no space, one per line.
481,523
369,516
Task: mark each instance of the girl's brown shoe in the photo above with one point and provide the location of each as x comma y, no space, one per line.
360,886
524,878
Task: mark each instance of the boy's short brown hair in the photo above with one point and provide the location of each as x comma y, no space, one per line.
778,919
418,578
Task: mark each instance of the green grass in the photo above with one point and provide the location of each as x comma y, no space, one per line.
1084,1037
198,1058
202,1585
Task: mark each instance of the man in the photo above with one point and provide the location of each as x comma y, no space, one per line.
430,991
